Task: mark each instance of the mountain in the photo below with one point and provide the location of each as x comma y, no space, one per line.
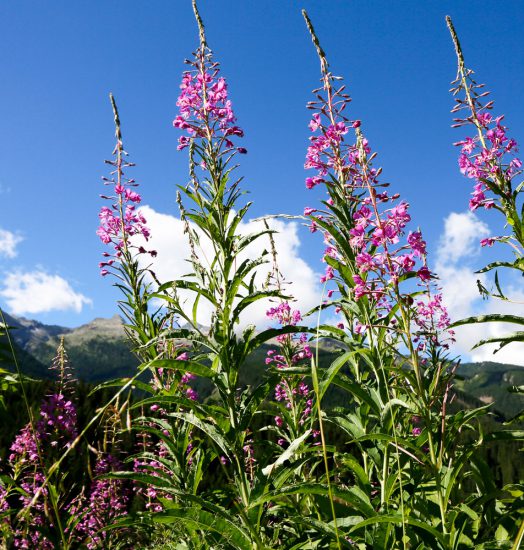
100,351
489,383
97,351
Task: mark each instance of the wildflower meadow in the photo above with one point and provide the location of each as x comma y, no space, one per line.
363,447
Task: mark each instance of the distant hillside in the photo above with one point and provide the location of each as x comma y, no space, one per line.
32,334
27,363
489,383
99,351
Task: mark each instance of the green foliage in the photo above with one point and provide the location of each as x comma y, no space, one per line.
369,436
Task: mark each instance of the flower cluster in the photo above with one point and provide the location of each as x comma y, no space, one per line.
55,429
204,98
206,118
284,315
483,158
379,220
292,396
375,222
292,392
327,150
432,319
152,467
121,221
487,157
205,111
58,420
29,530
24,447
108,500
57,426
294,347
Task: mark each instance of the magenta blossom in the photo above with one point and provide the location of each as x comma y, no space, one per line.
120,222
384,253
205,110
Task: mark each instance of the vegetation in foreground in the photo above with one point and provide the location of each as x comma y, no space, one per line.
397,465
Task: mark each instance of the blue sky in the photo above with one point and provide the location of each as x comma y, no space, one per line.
59,61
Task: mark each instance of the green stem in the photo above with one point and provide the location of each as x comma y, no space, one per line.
520,537
316,389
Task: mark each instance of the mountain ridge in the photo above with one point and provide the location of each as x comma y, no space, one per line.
100,351
97,350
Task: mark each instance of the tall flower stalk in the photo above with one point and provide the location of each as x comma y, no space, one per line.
488,157
121,225
397,326
224,284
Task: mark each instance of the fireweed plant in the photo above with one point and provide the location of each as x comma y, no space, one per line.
40,518
405,478
396,333
396,465
488,157
119,223
239,515
396,336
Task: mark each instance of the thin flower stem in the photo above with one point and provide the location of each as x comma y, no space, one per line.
316,389
519,538
462,73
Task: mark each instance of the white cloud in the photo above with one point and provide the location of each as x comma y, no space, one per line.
458,246
8,243
513,353
459,287
169,241
462,233
38,292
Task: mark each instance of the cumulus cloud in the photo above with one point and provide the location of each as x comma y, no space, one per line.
169,241
462,232
8,243
39,292
456,254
